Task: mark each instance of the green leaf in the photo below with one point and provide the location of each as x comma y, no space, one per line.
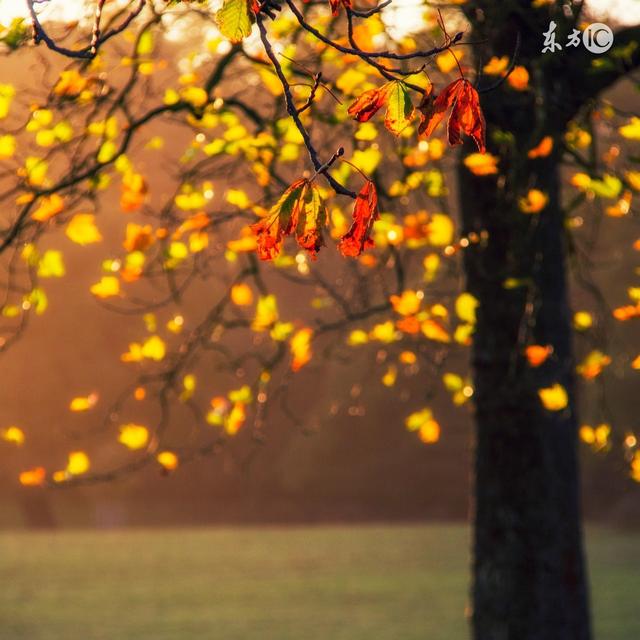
234,20
399,109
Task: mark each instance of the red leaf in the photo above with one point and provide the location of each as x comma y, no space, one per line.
466,115
280,222
369,103
335,6
365,213
299,211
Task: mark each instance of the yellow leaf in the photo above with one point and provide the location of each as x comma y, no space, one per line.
452,382
384,332
389,378
534,202
593,365
83,403
234,20
496,66
137,237
441,230
133,436
238,198
189,383
429,432
198,241
242,395
7,146
367,160
242,295
357,337
482,164
631,131
582,320
13,434
36,171
154,348
168,460
408,357
195,96
145,43
406,304
51,265
107,152
554,398
70,83
266,313
50,206
417,419
82,229
433,330
236,419
78,463
300,345
633,178
587,434
7,92
466,306
446,61
107,287
281,331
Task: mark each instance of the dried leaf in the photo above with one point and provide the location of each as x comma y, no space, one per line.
365,213
370,102
466,115
299,211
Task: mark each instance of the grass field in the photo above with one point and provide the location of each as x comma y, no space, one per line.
329,583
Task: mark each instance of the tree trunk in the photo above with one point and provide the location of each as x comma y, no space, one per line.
529,573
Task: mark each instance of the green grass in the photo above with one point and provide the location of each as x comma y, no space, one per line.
329,583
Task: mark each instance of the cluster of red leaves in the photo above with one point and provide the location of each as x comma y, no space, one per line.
301,212
335,6
460,97
466,115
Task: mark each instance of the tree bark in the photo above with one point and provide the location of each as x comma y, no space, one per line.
529,571
530,579
529,574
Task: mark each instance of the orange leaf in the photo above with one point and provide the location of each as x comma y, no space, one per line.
537,354
367,104
365,213
33,477
543,149
49,207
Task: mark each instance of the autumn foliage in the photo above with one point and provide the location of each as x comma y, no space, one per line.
286,129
